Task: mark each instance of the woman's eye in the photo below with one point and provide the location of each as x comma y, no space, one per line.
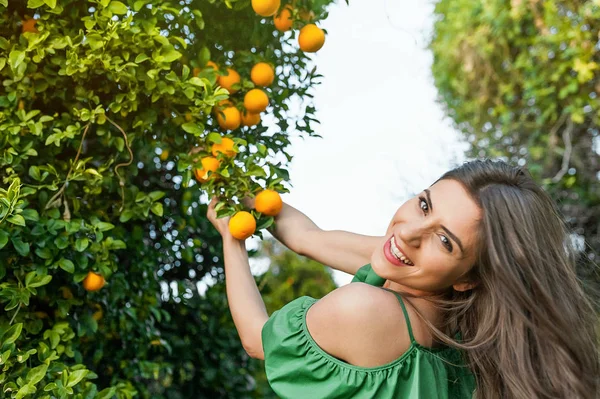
446,243
423,204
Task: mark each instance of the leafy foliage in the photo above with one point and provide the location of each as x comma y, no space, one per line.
101,121
521,80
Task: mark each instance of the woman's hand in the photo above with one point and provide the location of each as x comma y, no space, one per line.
221,224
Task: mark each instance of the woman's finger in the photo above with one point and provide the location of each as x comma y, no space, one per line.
211,213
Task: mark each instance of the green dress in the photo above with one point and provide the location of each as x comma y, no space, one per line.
298,368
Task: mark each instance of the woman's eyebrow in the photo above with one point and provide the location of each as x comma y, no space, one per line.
452,236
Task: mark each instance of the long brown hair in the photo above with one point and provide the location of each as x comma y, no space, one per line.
527,328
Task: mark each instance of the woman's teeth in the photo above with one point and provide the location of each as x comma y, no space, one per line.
396,252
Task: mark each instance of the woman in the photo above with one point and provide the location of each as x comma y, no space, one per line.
490,305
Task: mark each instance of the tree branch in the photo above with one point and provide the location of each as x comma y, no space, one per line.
121,182
567,154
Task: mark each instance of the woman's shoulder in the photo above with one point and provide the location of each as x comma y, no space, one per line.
360,324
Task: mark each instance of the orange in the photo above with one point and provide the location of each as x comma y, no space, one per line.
93,281
283,21
29,25
266,8
250,118
209,164
242,225
164,155
225,147
212,65
229,118
227,81
196,72
262,74
311,38
256,101
268,202
188,116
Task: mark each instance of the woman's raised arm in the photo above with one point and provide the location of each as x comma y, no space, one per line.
338,249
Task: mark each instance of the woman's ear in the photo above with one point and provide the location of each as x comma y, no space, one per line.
466,282
465,286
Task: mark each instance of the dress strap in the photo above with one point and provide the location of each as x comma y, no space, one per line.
408,325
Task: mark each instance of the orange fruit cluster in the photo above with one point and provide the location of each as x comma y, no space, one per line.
243,224
211,163
311,37
228,116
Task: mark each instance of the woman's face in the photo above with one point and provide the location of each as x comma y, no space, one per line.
430,242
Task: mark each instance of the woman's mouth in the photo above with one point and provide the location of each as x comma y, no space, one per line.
394,255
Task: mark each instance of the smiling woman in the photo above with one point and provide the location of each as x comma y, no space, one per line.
471,292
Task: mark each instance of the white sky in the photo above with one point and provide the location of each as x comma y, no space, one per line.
384,136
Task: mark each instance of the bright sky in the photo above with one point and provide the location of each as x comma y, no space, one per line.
384,136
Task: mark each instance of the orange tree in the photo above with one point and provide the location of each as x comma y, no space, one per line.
107,110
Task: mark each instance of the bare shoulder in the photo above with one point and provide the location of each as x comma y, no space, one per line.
360,324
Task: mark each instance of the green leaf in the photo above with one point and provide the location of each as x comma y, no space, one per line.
36,374
103,226
115,244
265,223
76,376
117,7
50,387
44,253
214,138
81,244
5,4
16,219
66,265
192,128
171,55
21,247
50,3
35,3
107,393
157,209
34,172
6,354
125,216
11,334
141,58
15,59
31,214
3,238
38,282
138,5
198,82
24,391
156,195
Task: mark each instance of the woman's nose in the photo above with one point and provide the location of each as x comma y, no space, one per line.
411,233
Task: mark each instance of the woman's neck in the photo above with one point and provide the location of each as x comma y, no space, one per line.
423,305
